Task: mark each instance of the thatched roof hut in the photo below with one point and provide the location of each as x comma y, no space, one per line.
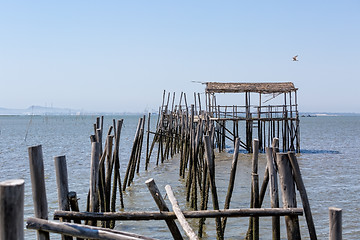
278,87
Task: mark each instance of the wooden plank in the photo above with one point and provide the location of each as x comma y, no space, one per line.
179,215
83,231
163,215
160,202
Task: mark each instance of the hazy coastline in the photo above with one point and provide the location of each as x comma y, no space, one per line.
41,110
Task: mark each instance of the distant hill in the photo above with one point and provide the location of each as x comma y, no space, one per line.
325,114
39,110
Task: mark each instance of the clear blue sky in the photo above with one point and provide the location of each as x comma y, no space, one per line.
121,55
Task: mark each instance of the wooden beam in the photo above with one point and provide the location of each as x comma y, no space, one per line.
163,215
179,215
83,231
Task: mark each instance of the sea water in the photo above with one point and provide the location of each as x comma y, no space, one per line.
329,162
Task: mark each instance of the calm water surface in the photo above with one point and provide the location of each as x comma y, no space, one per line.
329,163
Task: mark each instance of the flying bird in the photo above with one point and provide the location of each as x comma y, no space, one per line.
295,58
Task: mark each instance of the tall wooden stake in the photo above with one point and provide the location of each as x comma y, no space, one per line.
12,209
38,187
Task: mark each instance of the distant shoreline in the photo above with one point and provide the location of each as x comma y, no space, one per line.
51,111
329,114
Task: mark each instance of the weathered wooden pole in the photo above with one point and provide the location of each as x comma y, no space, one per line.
288,194
180,216
231,181
160,202
211,166
62,182
109,169
275,146
195,171
83,231
101,180
163,215
204,196
132,161
335,225
304,198
274,195
255,187
12,209
38,186
140,143
62,186
147,143
116,160
94,178
73,201
199,103
135,154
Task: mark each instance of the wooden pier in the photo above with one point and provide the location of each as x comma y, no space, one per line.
263,120
193,133
244,118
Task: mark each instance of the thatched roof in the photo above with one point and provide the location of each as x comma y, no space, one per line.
279,87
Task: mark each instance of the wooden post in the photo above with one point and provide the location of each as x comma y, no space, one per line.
62,182
255,186
94,178
173,102
160,202
62,186
12,209
109,169
231,181
275,144
253,232
255,156
180,216
140,143
83,231
38,186
305,201
73,201
264,186
288,195
204,196
117,177
199,104
274,195
147,144
130,171
335,226
211,165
